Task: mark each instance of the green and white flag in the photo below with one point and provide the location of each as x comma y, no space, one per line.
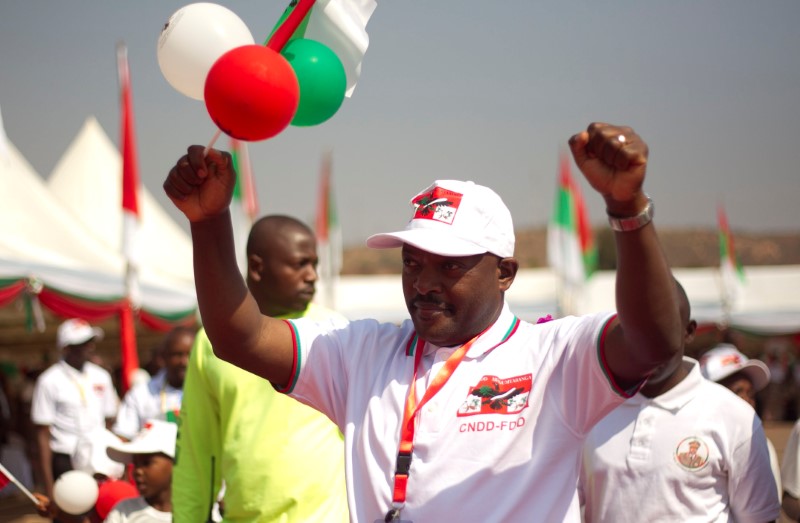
730,268
339,24
571,251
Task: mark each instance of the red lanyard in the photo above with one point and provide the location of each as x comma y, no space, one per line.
408,427
403,465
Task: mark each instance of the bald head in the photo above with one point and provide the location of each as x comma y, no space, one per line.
281,265
266,229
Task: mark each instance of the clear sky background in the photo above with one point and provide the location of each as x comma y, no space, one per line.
472,89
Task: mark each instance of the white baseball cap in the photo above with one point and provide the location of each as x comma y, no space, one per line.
157,436
76,332
455,218
725,360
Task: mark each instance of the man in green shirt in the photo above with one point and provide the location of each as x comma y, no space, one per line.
279,460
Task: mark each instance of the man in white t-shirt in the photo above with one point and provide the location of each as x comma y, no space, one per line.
463,412
71,398
744,377
682,449
159,397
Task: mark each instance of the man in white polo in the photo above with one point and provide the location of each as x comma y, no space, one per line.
72,397
682,449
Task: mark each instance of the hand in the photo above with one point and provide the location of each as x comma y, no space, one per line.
614,160
201,185
45,508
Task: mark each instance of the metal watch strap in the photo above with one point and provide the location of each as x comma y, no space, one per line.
632,223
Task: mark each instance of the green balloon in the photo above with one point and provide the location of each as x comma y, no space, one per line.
321,77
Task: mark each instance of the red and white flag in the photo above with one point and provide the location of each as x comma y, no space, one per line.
130,221
7,478
130,180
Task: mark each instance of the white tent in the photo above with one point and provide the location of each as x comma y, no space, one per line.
87,180
770,306
45,242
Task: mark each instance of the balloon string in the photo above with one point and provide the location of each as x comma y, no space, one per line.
287,28
211,143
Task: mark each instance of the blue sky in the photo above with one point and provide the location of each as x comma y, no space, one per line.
467,89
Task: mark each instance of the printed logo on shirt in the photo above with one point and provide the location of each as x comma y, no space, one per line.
440,205
691,453
98,388
493,395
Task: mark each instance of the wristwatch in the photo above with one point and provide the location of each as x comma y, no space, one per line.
632,223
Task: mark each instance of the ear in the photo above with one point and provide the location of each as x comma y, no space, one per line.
255,265
691,328
506,271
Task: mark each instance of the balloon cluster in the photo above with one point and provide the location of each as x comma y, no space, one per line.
251,92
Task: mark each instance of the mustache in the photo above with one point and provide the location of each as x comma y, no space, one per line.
426,299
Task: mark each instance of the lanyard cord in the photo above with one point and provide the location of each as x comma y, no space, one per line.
403,464
77,383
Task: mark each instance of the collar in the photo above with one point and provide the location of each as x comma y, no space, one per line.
499,332
72,371
679,395
159,381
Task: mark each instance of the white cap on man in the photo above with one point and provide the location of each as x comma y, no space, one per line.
725,360
455,218
156,437
76,332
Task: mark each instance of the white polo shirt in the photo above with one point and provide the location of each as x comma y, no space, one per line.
72,402
500,442
154,399
790,465
696,453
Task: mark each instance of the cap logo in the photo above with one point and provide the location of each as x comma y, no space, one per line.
439,204
732,359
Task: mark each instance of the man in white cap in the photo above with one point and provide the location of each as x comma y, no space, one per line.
71,398
729,367
152,453
745,377
464,412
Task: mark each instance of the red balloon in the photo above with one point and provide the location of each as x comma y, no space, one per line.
251,93
110,493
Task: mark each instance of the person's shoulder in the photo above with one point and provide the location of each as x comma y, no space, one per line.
52,373
154,384
128,506
716,396
97,370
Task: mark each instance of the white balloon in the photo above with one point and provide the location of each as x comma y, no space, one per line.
194,37
75,492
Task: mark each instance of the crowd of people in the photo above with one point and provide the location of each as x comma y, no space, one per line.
281,410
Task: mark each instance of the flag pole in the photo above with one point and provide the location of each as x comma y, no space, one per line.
4,471
283,33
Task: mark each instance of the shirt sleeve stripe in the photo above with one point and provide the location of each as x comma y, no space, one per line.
297,355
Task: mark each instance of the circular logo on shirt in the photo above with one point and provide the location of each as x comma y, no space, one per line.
692,453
